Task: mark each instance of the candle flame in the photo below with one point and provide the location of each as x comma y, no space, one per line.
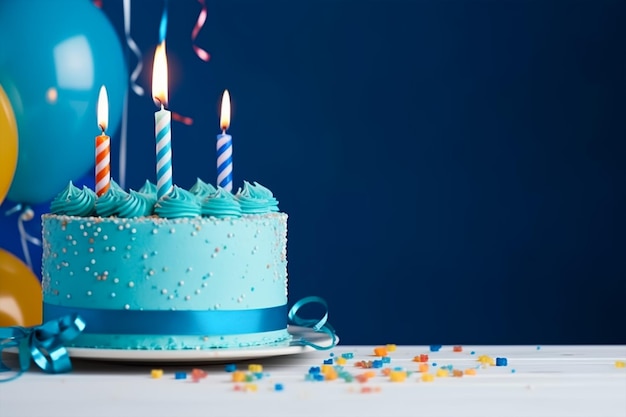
225,113
159,76
103,109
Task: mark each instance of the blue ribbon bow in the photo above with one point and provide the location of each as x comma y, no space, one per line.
44,344
320,326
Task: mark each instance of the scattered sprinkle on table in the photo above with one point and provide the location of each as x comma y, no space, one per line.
501,362
238,376
380,351
397,376
326,369
255,367
428,377
197,374
333,369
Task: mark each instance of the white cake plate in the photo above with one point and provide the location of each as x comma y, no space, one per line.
207,355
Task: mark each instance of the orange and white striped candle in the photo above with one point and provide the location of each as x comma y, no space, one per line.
103,146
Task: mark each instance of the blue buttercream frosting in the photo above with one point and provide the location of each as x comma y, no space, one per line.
136,205
202,199
179,203
256,199
201,189
73,201
109,203
148,188
221,204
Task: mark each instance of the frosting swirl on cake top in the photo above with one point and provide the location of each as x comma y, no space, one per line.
136,205
201,189
73,201
176,204
148,188
221,204
109,203
256,199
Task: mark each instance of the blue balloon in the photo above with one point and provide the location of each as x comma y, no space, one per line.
54,56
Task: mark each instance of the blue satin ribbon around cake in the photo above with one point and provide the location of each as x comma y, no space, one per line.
45,344
195,322
175,322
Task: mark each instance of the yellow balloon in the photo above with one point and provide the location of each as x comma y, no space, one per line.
8,144
20,293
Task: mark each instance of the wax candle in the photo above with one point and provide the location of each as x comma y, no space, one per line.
103,145
163,120
225,147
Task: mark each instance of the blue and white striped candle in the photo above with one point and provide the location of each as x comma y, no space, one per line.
163,119
163,135
225,148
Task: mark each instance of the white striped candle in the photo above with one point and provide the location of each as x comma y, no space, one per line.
163,119
163,136
225,148
103,146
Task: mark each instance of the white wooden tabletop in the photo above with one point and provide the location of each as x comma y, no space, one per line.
554,381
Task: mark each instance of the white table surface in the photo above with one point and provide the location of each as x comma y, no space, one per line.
549,381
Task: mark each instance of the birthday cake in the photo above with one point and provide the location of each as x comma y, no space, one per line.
196,269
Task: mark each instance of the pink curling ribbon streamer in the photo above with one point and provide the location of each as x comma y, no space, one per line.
25,214
202,54
183,119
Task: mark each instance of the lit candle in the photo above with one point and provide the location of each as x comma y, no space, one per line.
225,147
103,146
163,120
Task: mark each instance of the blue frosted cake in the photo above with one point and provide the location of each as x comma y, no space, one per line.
197,269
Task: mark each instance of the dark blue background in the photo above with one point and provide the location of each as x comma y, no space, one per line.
453,170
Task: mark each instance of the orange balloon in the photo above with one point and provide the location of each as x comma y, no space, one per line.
8,144
20,293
